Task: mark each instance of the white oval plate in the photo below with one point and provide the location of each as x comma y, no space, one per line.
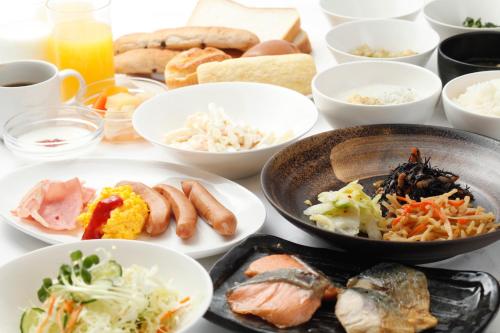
98,173
186,275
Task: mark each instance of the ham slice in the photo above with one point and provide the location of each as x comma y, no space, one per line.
55,204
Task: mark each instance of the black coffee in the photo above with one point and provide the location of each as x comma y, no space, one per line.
18,84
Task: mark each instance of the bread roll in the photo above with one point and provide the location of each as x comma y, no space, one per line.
294,71
181,70
188,37
143,61
271,47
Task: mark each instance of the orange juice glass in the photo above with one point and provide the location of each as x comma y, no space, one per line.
81,40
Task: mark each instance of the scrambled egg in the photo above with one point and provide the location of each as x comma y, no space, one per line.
125,221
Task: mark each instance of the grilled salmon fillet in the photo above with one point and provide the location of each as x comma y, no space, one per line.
284,261
284,297
271,263
405,285
370,311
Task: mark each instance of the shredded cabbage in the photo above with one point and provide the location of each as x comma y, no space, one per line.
347,211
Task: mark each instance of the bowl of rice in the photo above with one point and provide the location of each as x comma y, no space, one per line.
472,103
230,129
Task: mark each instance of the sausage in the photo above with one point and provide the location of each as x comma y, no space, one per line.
212,211
159,207
184,211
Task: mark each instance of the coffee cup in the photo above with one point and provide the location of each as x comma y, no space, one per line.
29,84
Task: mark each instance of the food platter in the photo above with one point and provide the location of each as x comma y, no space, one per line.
98,173
333,105
476,290
304,170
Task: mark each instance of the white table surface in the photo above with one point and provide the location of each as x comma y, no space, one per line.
146,15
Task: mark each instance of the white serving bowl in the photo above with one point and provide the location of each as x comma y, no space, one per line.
466,120
340,11
266,107
21,278
390,34
329,85
446,16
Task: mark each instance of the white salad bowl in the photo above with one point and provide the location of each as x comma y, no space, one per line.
269,108
340,11
447,16
463,119
21,278
330,86
390,34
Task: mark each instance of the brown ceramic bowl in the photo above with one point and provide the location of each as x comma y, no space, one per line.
368,153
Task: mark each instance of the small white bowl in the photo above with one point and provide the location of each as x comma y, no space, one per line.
263,106
446,16
329,85
340,11
389,34
466,120
21,278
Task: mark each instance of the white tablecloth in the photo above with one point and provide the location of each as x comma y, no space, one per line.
146,15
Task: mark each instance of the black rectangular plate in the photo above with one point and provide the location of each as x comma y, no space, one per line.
463,301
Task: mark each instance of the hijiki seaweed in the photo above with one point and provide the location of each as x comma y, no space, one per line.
418,179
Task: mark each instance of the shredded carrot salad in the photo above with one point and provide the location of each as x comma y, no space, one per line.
434,218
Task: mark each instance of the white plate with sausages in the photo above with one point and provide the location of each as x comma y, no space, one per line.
97,173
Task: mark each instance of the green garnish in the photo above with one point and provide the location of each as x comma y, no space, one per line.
43,294
86,277
90,261
469,22
65,319
77,255
80,267
92,300
47,282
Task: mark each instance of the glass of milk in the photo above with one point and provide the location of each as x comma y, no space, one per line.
24,30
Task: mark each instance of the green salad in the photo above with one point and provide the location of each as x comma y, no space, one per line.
92,295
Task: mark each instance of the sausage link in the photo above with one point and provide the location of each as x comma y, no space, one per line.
212,211
184,211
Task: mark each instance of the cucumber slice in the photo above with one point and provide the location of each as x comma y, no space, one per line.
109,271
30,319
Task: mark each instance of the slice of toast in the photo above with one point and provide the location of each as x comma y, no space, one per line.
266,23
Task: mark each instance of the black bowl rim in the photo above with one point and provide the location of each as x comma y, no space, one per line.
460,36
289,217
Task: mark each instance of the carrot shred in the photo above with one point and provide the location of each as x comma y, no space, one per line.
418,229
73,318
59,322
456,203
396,221
403,199
51,301
68,306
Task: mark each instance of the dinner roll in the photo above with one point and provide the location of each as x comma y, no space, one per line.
181,70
